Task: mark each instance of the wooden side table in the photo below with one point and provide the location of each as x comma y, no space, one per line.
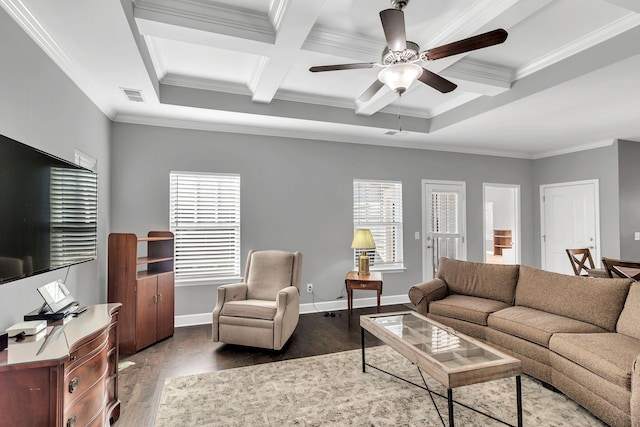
371,282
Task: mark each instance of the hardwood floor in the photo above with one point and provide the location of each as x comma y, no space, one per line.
191,351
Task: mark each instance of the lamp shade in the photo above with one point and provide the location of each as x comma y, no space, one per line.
363,239
400,76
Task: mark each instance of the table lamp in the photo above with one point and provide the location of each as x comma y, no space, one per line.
363,239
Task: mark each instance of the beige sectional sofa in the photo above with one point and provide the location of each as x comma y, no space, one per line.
580,335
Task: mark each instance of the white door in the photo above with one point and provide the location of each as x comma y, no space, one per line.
443,223
570,218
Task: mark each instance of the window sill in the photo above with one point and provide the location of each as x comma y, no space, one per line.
208,282
390,270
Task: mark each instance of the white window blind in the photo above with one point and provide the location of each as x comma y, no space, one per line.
377,205
445,225
73,198
205,220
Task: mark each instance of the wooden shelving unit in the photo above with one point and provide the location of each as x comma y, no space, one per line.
145,287
501,240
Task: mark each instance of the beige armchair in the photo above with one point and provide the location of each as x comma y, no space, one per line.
263,310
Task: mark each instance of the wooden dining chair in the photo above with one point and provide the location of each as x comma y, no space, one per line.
579,259
619,268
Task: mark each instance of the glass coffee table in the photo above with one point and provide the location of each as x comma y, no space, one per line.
449,357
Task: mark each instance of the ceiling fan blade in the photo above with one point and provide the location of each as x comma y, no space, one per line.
371,90
342,67
435,81
393,26
465,45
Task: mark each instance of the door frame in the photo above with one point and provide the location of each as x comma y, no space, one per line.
517,218
596,201
463,225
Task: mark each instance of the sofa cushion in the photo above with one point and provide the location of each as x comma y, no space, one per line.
535,325
609,355
492,281
463,307
251,308
629,321
592,300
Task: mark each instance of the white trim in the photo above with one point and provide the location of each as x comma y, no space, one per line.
596,195
205,318
517,219
575,148
600,35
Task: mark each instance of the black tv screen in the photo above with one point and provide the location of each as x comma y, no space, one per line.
48,212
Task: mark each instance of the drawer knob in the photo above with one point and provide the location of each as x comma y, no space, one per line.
71,422
73,384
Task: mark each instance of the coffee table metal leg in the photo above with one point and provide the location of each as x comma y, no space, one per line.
362,343
450,404
518,399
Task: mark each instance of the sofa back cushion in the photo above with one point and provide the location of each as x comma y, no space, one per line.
492,281
629,321
591,300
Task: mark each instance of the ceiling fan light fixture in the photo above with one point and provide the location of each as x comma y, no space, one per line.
400,76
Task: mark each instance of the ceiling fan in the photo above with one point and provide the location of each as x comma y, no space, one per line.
400,57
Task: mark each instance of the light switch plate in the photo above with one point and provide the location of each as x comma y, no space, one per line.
636,235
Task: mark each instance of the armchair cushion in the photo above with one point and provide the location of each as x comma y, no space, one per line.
252,308
267,273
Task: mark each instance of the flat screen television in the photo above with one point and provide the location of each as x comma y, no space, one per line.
48,212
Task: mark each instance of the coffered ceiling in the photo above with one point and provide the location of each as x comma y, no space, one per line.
565,79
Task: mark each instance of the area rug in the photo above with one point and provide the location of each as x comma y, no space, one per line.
332,390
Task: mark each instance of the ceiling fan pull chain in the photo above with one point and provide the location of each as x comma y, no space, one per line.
399,110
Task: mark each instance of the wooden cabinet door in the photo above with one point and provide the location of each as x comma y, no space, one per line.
146,307
166,303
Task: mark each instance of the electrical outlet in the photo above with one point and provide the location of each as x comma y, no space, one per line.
309,288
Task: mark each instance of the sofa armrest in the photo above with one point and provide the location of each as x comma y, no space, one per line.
235,291
635,393
423,293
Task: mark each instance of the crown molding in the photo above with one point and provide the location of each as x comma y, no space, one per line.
276,12
348,45
205,84
598,36
208,16
30,24
473,69
575,149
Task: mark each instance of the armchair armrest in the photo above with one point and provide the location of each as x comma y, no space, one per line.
423,293
287,314
635,393
231,292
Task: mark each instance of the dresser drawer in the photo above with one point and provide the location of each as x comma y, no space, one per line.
91,371
86,410
88,347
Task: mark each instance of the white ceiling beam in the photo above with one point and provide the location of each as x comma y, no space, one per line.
208,16
293,20
632,5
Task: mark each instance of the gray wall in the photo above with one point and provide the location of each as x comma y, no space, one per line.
297,195
41,107
599,163
629,175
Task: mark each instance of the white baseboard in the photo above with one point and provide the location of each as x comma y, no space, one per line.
341,304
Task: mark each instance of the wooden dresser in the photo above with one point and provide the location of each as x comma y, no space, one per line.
73,382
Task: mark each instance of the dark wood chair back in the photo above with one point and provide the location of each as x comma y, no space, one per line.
619,268
579,258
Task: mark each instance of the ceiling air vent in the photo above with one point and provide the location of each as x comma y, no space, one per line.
134,95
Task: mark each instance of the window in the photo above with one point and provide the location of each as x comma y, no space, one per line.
377,205
73,201
205,220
